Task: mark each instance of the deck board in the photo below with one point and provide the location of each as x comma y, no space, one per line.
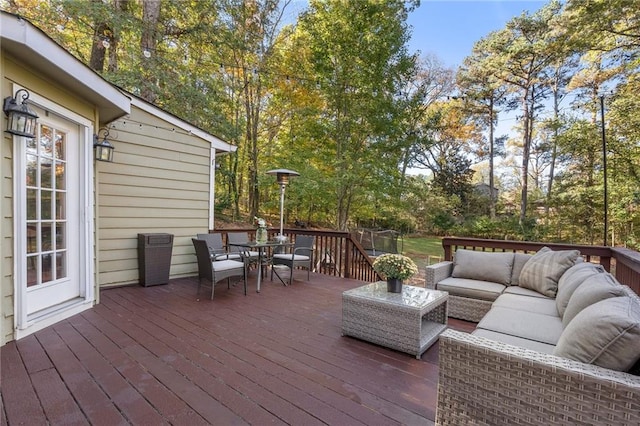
164,355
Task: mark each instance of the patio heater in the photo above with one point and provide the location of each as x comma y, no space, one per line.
282,176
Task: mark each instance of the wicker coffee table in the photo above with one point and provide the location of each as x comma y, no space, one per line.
410,321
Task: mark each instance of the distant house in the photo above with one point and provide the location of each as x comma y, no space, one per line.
484,189
70,223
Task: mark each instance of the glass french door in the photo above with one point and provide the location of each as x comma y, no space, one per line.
51,215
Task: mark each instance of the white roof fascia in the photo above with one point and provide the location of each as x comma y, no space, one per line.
35,48
217,143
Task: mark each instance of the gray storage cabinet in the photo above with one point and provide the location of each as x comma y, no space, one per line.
154,258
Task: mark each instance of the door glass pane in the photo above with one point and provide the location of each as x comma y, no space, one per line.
47,267
60,176
60,205
47,236
60,236
61,265
60,139
32,237
32,170
46,141
32,204
32,146
45,203
32,270
45,173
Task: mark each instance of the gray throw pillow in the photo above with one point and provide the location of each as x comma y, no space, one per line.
519,260
606,334
571,279
593,289
542,272
483,266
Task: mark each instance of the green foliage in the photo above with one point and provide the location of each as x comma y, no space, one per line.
337,97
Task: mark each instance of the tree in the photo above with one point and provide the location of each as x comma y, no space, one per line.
483,94
448,139
431,83
518,55
358,57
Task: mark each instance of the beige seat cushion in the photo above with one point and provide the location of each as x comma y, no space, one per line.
474,289
606,333
483,266
515,341
528,325
542,272
594,289
225,265
571,279
540,305
525,292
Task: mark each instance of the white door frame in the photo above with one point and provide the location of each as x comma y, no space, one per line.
23,324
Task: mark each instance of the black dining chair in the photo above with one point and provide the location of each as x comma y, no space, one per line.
250,257
217,249
216,270
300,257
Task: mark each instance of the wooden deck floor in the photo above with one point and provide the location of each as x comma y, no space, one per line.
156,355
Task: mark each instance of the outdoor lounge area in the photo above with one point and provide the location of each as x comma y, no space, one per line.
167,354
153,355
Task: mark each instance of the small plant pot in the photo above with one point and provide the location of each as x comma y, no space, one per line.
394,285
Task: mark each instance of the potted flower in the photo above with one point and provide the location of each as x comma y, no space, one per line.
395,268
261,233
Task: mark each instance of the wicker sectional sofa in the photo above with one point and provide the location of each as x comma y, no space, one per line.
557,341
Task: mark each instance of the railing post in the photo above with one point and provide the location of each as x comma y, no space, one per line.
447,250
347,258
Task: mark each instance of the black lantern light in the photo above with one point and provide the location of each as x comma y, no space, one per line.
282,176
104,149
21,120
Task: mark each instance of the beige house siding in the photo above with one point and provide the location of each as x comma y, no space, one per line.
158,183
6,235
12,71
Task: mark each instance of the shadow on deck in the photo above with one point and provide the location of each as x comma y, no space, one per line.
156,355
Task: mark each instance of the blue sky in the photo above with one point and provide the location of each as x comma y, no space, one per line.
449,28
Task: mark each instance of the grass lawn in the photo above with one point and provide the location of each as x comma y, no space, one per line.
423,250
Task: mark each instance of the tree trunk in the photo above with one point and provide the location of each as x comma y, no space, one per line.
554,150
492,197
148,43
121,6
101,34
96,62
525,160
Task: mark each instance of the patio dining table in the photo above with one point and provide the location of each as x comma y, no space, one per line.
263,259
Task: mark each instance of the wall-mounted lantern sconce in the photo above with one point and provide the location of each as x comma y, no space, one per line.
21,120
104,149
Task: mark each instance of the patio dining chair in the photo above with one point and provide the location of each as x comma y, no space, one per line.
300,257
216,270
249,257
217,249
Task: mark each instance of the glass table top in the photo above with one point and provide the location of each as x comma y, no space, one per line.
411,296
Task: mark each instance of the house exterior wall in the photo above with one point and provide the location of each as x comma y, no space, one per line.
158,183
12,71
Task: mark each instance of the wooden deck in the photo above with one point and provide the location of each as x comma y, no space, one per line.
156,355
